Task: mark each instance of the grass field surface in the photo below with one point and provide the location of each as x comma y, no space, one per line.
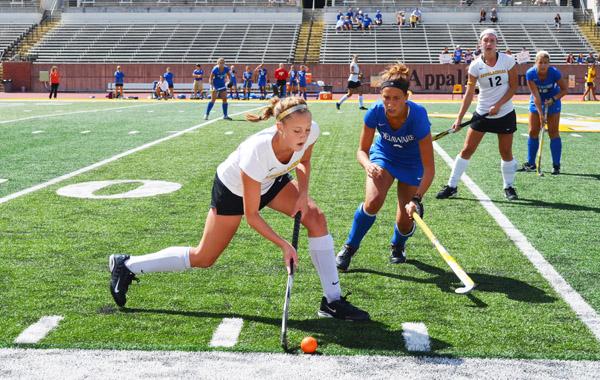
54,249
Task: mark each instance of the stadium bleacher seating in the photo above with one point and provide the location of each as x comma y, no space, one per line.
389,43
183,42
9,33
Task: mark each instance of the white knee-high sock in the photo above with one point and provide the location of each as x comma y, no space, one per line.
343,99
509,169
172,259
460,166
360,101
323,257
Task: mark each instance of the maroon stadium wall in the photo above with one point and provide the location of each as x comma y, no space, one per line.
92,77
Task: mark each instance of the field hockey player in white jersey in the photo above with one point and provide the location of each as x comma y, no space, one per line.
256,175
354,85
496,75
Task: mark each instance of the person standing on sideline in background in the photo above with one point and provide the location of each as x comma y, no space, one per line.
547,87
496,75
168,75
232,84
402,152
247,83
302,81
119,75
281,76
354,85
218,76
198,88
54,82
256,175
590,88
261,79
293,84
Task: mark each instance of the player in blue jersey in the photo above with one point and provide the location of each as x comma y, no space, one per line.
293,83
547,88
119,78
218,88
248,74
402,151
232,84
168,75
261,78
301,74
197,89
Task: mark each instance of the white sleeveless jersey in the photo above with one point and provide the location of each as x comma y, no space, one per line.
353,69
493,83
256,158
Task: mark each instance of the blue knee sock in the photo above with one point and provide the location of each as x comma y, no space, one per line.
556,150
400,239
225,106
360,226
209,107
532,148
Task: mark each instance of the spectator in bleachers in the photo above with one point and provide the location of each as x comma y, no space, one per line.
590,88
354,85
119,75
445,56
54,82
557,21
366,23
261,79
570,59
378,18
419,15
218,77
293,83
232,84
281,76
400,18
302,81
494,15
413,20
468,56
590,59
161,89
168,75
198,87
348,23
339,24
247,76
458,55
358,19
339,16
580,59
350,13
482,15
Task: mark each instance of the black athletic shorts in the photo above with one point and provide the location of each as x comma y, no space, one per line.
227,203
589,84
118,85
352,84
503,125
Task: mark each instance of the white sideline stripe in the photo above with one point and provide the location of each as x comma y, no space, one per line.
36,132
38,330
133,132
416,337
575,135
71,113
229,133
109,160
2,180
524,135
226,335
84,132
583,310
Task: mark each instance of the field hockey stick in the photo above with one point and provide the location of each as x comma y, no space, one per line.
457,269
290,283
538,158
448,131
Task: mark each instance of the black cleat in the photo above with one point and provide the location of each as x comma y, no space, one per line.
342,260
511,193
342,309
227,118
555,169
363,108
337,105
120,278
397,254
527,167
447,192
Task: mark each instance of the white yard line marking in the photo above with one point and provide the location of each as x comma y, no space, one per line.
229,133
38,330
2,180
71,113
575,135
227,333
524,135
416,337
36,132
326,133
84,132
133,132
583,310
109,160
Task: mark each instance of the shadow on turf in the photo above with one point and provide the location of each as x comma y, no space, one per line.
371,335
595,176
446,280
540,203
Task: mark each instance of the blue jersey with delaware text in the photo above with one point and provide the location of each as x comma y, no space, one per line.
401,146
198,72
302,78
218,81
293,78
548,87
169,78
119,75
262,77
